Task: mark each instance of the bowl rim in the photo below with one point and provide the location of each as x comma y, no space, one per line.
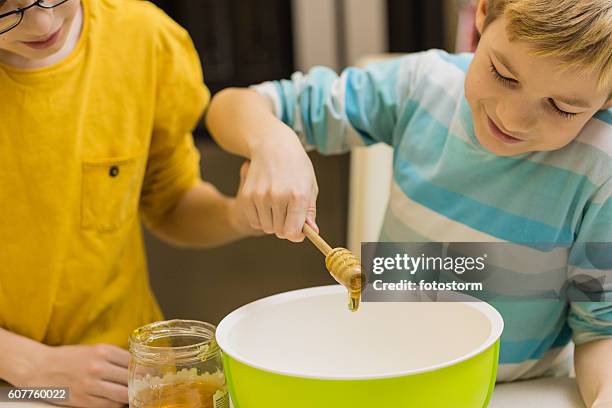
225,326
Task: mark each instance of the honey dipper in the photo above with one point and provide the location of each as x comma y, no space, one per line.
342,265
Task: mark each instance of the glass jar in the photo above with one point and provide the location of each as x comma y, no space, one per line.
176,364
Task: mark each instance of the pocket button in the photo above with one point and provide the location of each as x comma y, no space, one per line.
110,192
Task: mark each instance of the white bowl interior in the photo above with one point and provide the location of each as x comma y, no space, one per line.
311,333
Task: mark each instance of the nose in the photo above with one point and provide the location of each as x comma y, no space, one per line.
38,22
515,116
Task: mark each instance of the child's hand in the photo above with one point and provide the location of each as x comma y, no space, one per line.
279,188
96,376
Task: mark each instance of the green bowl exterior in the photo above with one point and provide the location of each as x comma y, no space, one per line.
468,384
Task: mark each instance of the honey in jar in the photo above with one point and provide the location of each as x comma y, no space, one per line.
176,364
185,389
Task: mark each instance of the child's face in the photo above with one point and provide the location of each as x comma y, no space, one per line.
42,32
522,103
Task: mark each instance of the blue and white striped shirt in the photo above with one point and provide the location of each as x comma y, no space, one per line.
448,188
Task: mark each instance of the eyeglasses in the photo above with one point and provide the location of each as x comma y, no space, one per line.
11,19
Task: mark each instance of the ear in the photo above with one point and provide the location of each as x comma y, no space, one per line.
481,14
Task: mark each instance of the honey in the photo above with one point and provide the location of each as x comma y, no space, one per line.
346,270
342,265
185,389
354,300
176,364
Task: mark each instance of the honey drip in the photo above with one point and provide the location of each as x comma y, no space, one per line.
342,265
346,270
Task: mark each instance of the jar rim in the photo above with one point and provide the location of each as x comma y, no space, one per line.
202,350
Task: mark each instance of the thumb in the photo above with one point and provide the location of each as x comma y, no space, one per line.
311,214
244,171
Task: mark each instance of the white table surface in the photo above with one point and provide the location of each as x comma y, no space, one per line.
541,393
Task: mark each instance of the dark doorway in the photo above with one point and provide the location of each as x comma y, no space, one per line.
240,42
415,25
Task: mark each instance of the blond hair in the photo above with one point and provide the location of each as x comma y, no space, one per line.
577,32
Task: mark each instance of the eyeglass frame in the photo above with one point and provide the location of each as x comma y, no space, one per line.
21,12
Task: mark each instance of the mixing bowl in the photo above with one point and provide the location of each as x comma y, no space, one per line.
304,349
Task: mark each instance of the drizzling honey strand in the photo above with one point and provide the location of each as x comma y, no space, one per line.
342,265
346,270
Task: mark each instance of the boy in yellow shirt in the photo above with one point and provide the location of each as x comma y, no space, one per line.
98,99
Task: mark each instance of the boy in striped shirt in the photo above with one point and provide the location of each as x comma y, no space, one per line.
510,144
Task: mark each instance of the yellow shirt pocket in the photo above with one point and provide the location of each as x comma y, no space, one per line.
111,191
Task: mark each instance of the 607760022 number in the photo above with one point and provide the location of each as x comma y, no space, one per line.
33,394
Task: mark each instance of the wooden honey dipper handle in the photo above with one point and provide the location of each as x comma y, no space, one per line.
316,239
340,262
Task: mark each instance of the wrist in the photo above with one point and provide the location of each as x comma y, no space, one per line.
26,372
238,220
22,357
274,137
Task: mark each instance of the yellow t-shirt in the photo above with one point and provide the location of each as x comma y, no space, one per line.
89,147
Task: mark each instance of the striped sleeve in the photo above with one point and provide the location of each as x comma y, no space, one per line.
590,271
333,113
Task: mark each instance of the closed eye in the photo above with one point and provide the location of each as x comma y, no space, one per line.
567,115
505,80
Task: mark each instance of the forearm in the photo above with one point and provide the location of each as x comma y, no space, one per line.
279,190
241,120
203,218
593,363
17,354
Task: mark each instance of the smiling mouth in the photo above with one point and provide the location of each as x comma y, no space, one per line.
46,42
501,135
